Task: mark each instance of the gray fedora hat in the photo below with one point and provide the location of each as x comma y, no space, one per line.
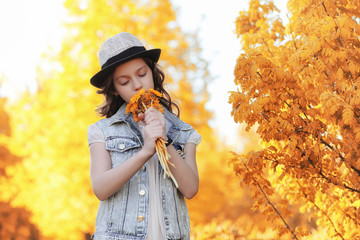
119,49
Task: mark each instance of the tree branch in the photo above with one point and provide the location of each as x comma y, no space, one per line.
328,218
267,46
273,207
319,171
291,32
336,27
341,157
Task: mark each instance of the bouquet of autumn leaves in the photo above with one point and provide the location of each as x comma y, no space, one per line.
138,104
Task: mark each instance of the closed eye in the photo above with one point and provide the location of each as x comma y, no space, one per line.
124,83
143,75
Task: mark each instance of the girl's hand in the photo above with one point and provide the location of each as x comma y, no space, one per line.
153,115
155,128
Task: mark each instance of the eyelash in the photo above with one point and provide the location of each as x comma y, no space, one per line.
141,75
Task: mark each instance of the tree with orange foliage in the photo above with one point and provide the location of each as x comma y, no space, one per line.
14,221
300,85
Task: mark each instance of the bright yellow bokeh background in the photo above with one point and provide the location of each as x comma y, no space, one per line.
46,104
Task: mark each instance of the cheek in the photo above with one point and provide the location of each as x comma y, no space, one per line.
117,90
150,82
122,92
125,95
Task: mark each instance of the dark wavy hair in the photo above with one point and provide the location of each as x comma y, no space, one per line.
112,102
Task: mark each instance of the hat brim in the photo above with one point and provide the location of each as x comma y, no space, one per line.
98,80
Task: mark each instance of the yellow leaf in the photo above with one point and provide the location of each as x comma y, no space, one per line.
348,115
339,74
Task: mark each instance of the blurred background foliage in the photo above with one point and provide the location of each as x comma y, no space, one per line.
44,168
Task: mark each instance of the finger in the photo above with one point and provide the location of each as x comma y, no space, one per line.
152,115
157,129
150,109
155,126
153,111
141,116
149,119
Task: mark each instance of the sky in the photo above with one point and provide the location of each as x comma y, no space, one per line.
215,24
30,27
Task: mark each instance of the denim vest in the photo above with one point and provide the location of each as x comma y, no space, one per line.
125,214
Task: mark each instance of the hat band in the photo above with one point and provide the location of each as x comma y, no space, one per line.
123,55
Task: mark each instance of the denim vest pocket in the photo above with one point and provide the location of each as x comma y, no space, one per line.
121,148
121,143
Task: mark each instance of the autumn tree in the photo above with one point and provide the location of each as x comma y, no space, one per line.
14,221
299,84
228,208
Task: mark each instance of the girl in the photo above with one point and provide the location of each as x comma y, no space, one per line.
136,201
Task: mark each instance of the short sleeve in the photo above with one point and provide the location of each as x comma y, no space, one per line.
94,134
195,137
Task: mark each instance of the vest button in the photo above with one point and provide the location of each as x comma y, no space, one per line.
142,192
140,218
143,168
121,146
166,220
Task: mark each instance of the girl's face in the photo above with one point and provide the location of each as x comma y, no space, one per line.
132,76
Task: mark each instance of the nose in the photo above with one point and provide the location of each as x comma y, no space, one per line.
137,84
